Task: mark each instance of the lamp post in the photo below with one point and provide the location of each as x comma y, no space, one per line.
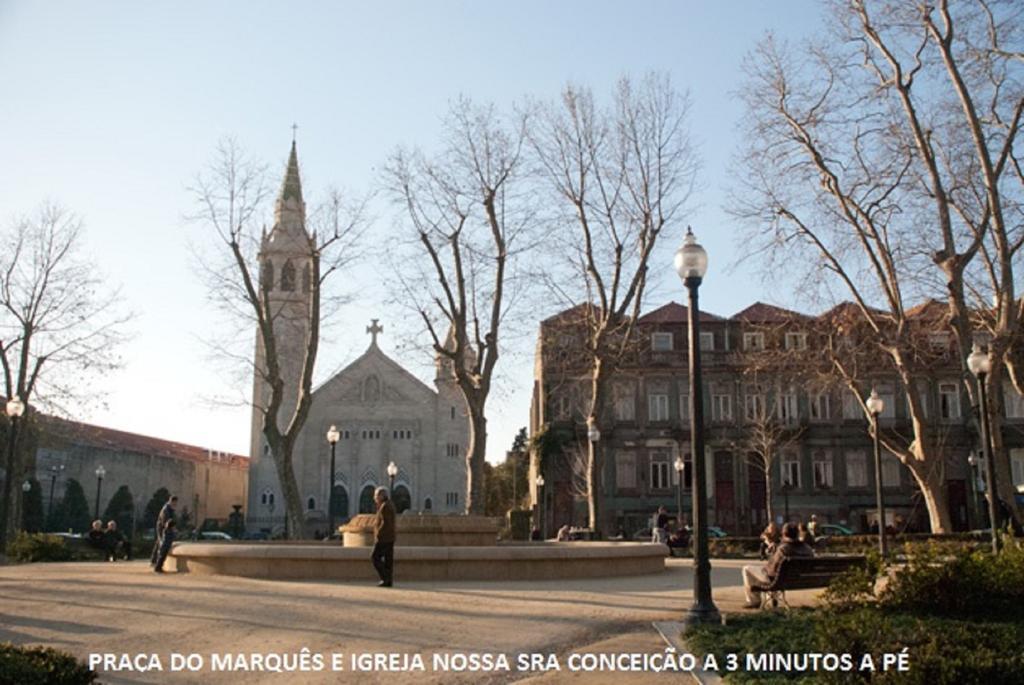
392,472
15,408
680,466
594,437
972,461
100,472
786,485
876,405
55,470
332,437
540,505
980,365
26,488
691,263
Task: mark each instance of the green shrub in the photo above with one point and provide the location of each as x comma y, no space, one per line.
31,547
41,666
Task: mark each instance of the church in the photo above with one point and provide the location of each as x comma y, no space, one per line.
382,412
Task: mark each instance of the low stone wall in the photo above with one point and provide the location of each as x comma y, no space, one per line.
426,530
529,561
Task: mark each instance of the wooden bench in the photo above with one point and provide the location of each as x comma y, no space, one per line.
805,573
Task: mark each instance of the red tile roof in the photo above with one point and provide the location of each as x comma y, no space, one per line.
760,312
109,438
673,312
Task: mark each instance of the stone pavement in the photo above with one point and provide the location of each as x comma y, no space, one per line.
124,608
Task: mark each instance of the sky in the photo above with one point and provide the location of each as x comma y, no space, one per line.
112,108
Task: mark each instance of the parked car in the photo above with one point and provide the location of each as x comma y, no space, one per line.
831,529
213,535
716,532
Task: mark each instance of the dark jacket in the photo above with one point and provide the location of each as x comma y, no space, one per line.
167,513
787,548
384,522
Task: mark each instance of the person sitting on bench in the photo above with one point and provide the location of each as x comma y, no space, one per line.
96,537
791,546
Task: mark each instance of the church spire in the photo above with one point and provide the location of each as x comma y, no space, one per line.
292,186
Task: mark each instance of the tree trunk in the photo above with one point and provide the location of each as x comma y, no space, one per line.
289,490
931,478
595,451
475,458
768,495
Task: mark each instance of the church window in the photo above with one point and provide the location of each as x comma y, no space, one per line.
345,435
377,435
266,450
452,499
394,435
288,276
311,503
267,275
428,504
307,278
453,413
364,435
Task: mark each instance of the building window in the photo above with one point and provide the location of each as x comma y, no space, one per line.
1013,401
888,396
268,275
660,471
922,397
451,499
787,409
288,277
311,503
851,407
949,400
657,407
1017,466
753,404
707,341
753,342
563,407
661,342
796,341
452,449
428,504
687,472
625,470
822,463
453,413
939,341
791,471
890,470
684,406
856,470
821,409
721,407
625,404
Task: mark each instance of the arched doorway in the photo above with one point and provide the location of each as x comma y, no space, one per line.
339,504
428,504
401,498
366,504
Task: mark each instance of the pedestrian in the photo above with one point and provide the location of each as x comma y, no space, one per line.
812,526
769,540
170,534
384,537
659,525
167,513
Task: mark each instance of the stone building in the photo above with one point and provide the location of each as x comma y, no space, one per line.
208,484
825,462
383,412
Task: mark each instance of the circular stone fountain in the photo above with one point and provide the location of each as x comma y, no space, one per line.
428,547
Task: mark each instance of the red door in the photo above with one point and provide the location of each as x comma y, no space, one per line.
725,493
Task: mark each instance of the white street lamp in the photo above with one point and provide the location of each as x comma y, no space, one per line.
15,407
980,365
392,472
876,405
333,435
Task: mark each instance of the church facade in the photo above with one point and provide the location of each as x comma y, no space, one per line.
383,413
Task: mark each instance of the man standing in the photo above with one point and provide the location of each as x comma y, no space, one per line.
384,537
790,546
167,513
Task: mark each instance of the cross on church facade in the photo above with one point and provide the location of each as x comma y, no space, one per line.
374,329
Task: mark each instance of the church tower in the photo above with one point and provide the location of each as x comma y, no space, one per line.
286,282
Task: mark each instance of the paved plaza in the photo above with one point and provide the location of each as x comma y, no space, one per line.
125,608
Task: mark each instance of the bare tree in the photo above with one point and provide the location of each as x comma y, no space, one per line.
60,328
470,213
867,158
619,176
231,196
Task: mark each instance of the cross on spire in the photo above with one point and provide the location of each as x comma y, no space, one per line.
374,329
295,127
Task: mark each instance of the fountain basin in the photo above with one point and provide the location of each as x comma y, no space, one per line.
513,561
426,530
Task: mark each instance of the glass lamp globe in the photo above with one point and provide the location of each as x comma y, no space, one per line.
100,471
680,464
978,362
333,435
26,486
691,260
15,407
392,469
540,481
593,434
876,405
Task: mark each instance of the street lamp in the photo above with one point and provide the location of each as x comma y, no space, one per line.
691,263
972,461
876,405
55,470
332,437
15,408
594,492
540,505
392,472
980,365
680,466
100,472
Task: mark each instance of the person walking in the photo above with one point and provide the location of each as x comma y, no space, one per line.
384,537
166,541
167,513
659,525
